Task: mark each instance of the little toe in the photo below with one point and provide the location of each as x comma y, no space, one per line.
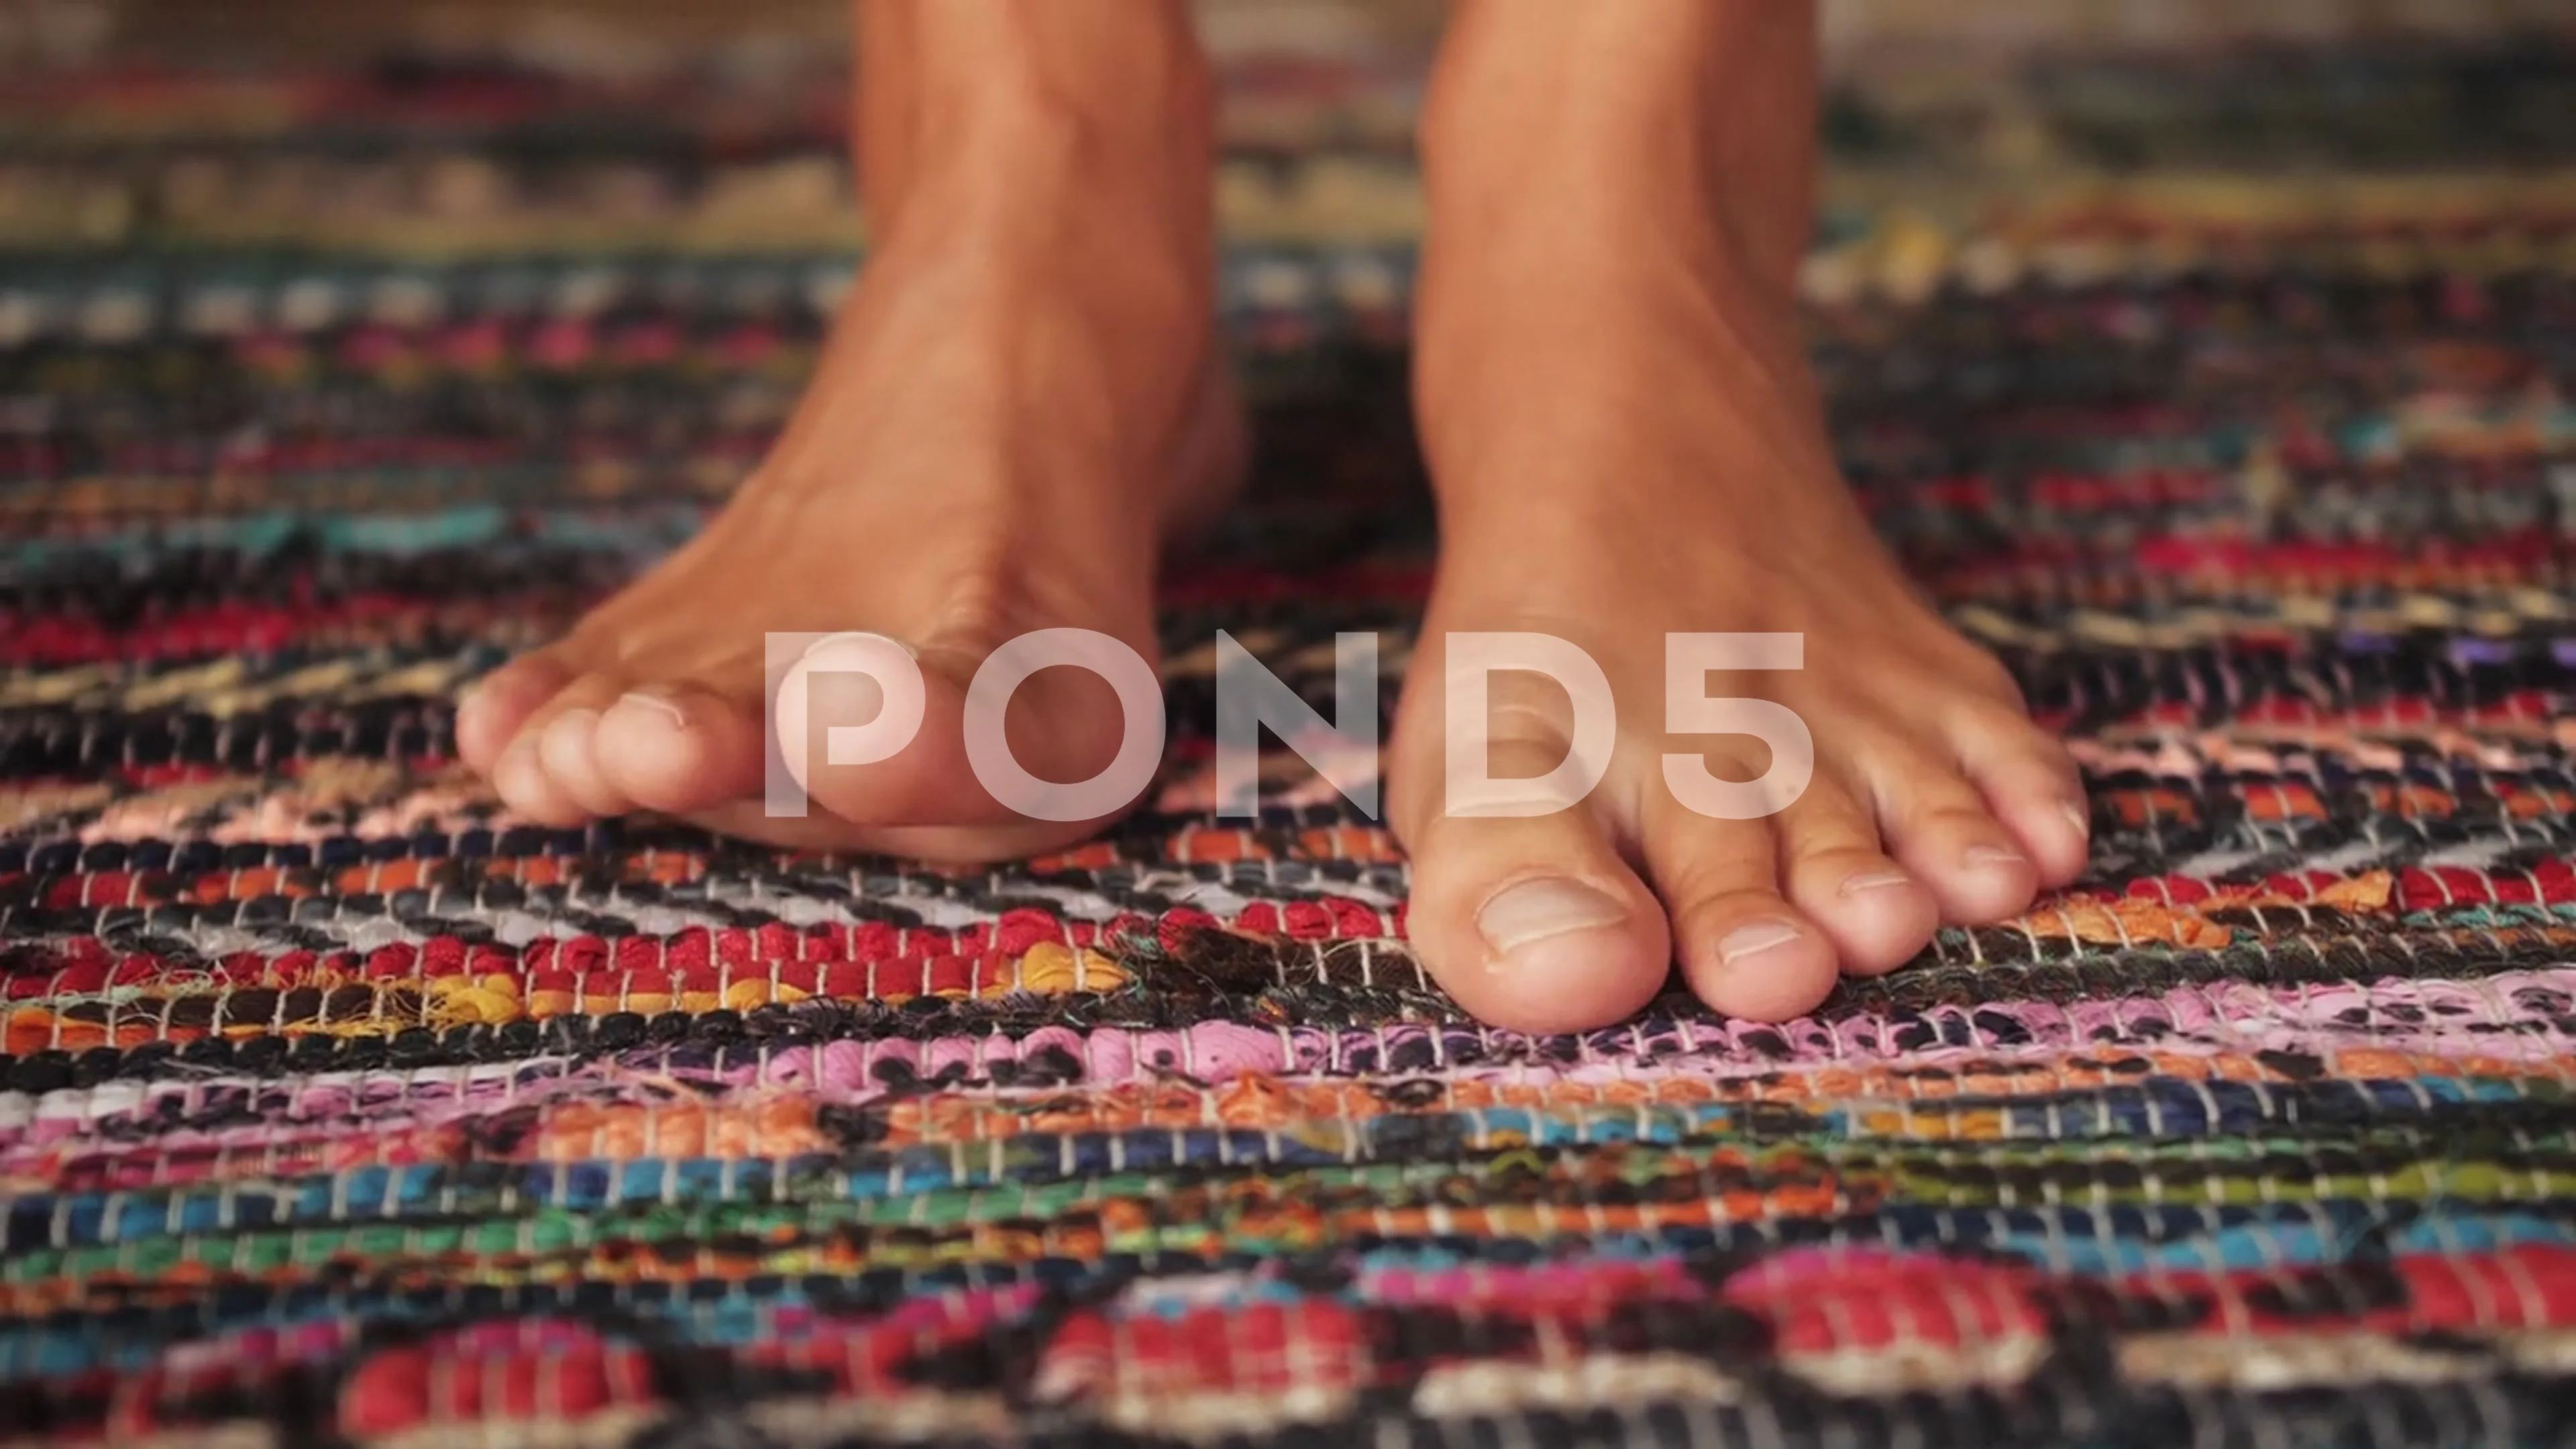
491,709
1745,950
1938,826
1533,922
1876,913
679,748
2033,786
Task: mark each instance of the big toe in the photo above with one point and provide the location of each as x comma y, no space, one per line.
1534,923
940,736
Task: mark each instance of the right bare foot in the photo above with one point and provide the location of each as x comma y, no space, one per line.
1018,402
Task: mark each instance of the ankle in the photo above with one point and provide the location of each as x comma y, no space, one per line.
1016,113
1667,131
1048,206
1564,94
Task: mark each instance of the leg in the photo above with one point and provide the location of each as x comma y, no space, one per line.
1626,441
1017,400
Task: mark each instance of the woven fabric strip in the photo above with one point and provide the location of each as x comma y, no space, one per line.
338,1107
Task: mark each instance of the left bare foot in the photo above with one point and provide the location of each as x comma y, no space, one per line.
1626,443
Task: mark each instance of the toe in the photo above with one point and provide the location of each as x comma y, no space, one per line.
546,772
1061,744
1533,922
566,748
520,778
895,773
491,710
1744,948
1873,910
680,748
2032,785
1936,823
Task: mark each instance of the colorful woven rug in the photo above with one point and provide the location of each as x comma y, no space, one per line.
338,1108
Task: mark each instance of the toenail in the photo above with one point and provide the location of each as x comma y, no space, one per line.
2080,818
1746,942
1537,909
662,703
1876,880
1993,855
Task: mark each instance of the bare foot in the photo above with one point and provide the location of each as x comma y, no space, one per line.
1626,443
1018,403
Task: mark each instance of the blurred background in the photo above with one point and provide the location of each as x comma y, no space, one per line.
436,125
